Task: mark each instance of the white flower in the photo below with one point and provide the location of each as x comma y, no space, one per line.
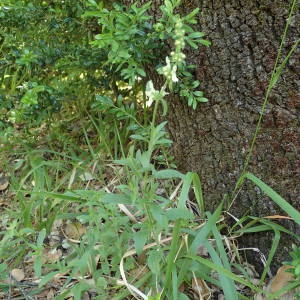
150,93
169,71
173,73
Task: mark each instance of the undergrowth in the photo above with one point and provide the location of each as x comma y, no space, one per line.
96,206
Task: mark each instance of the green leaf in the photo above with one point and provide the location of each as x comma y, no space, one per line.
165,107
192,44
227,283
116,199
156,297
30,98
154,261
105,100
93,13
179,213
167,174
182,296
224,272
3,268
138,137
196,35
258,228
198,192
79,288
141,72
123,53
175,284
140,239
169,6
275,243
203,100
39,88
145,160
188,179
205,42
198,93
37,265
204,231
46,278
194,105
159,215
191,16
69,195
41,237
289,209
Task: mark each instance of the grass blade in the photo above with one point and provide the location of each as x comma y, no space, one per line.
227,283
198,192
205,230
224,271
275,244
289,209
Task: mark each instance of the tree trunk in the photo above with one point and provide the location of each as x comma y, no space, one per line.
234,72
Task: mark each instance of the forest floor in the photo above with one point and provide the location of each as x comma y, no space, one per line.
32,179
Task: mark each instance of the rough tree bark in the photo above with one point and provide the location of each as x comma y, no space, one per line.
213,140
234,71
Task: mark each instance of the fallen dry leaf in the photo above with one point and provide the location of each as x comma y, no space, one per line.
51,255
281,279
74,231
51,294
86,176
47,294
55,235
3,183
17,274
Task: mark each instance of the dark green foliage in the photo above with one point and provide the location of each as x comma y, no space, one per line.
45,58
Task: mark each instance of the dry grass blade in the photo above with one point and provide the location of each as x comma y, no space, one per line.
134,291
